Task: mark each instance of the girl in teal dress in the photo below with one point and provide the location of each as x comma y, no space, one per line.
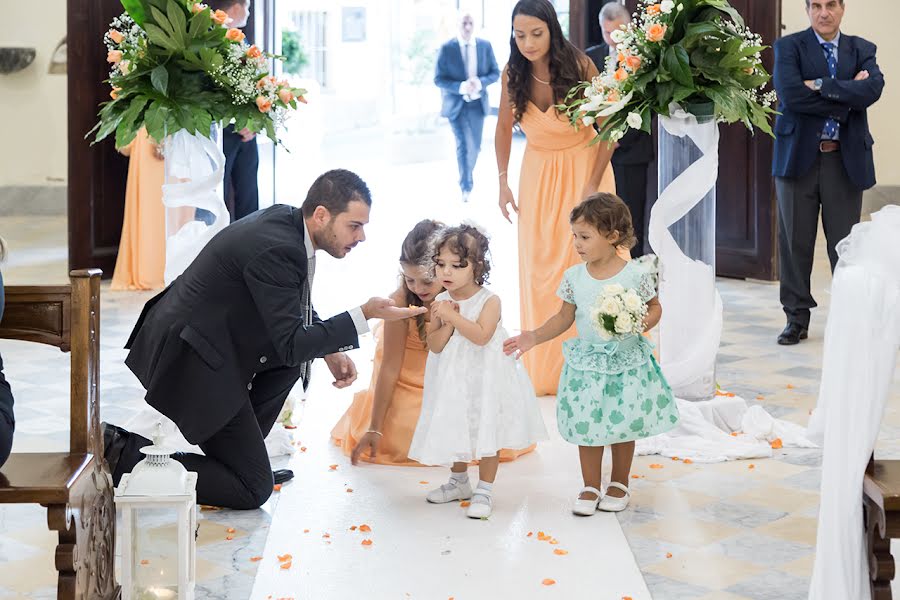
611,390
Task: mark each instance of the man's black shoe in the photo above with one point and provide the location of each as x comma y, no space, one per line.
282,475
792,335
114,440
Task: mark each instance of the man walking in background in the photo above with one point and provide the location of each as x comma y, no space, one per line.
465,67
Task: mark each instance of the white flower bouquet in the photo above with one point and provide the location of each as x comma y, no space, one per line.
618,312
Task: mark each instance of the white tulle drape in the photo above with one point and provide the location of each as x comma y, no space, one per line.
691,325
861,342
195,167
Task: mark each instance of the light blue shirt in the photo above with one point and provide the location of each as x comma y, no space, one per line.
836,41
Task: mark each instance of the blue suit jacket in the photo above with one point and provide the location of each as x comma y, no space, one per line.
798,129
450,72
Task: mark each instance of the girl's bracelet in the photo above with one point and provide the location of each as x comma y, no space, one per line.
375,432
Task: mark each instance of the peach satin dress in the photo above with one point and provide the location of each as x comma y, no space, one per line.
142,248
556,165
403,413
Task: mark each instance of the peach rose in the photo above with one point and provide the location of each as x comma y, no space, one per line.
285,95
115,36
613,96
113,56
114,94
234,35
263,104
621,74
301,99
654,9
220,17
633,62
620,58
198,8
254,52
656,32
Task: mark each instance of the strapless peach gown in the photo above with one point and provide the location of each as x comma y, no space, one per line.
556,165
403,414
142,248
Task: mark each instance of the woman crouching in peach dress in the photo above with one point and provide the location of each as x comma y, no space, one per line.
379,424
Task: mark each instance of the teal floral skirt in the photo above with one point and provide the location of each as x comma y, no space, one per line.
605,397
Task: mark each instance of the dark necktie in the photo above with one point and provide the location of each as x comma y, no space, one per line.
831,126
306,300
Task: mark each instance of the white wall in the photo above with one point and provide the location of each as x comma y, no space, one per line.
32,102
872,20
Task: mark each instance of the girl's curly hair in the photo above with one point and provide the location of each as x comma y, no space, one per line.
469,244
608,214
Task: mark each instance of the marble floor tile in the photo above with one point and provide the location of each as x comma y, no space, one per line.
772,585
707,569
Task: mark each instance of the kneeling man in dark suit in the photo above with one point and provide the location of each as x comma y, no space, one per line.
219,350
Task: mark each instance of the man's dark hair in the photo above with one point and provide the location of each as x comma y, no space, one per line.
335,190
223,4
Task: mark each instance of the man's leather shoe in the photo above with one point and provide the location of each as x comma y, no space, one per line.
282,475
114,440
792,334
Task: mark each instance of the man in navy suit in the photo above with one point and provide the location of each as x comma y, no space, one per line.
465,67
823,149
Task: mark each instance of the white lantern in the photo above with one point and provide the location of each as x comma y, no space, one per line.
158,505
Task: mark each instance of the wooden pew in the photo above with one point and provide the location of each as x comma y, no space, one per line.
74,486
881,501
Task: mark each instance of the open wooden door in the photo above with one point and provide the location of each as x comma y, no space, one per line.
745,192
97,174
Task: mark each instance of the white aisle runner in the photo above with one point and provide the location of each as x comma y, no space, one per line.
424,551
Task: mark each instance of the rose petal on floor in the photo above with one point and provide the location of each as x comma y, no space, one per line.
549,581
255,558
366,542
560,552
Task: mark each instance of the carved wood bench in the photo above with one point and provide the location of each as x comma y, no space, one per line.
74,486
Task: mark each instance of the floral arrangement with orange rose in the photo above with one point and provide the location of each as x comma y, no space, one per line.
176,65
694,53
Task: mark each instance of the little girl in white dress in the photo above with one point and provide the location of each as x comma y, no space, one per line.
477,400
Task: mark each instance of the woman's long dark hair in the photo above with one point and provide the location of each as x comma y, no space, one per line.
416,251
565,59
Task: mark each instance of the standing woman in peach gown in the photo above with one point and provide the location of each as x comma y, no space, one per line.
142,248
559,168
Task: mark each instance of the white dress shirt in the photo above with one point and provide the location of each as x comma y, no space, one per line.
359,319
470,59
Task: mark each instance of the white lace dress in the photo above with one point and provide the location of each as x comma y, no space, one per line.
477,400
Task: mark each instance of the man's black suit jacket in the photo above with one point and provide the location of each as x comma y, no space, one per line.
636,147
235,312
